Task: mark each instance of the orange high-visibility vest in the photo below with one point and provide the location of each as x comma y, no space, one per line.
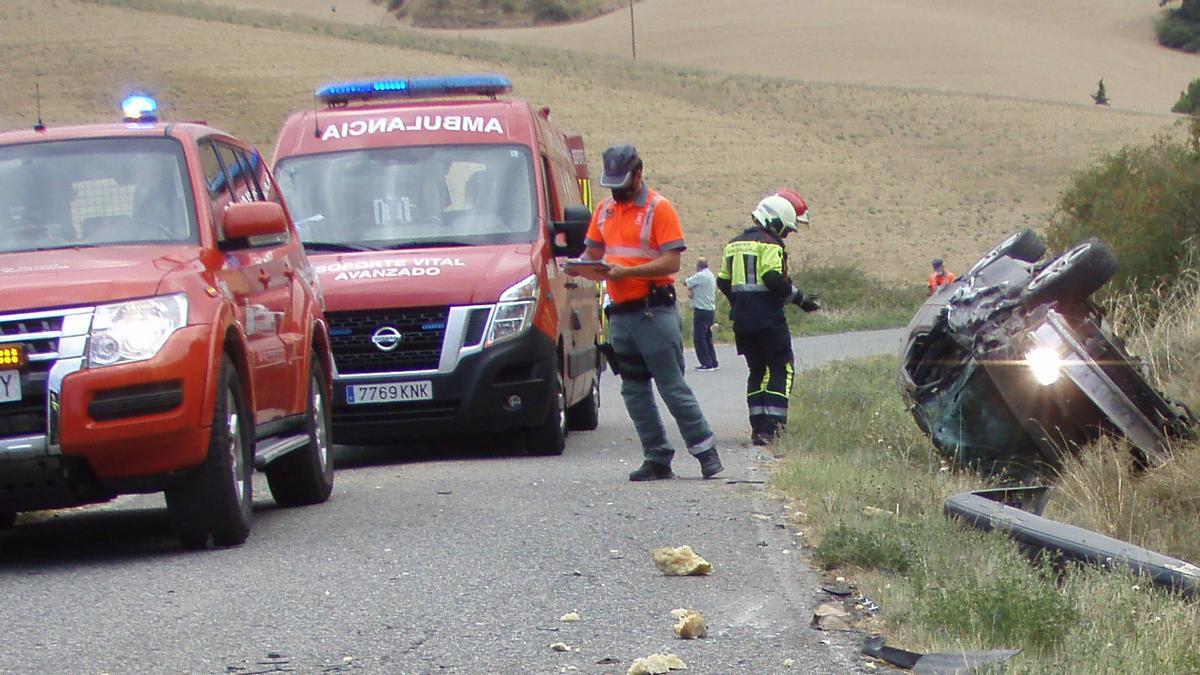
936,280
635,233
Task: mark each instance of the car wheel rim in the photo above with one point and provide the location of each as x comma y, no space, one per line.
1056,268
237,458
994,253
318,425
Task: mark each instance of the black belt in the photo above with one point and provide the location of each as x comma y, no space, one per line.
639,305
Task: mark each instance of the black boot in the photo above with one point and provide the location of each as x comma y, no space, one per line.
652,471
710,463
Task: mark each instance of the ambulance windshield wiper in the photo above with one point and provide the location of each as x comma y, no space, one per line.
426,243
335,246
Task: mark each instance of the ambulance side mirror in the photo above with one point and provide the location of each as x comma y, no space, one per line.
570,232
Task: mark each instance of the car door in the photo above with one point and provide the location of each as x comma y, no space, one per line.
577,297
257,274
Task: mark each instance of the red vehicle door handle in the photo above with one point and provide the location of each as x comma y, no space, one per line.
264,277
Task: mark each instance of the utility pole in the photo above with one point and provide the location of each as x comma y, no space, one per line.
632,34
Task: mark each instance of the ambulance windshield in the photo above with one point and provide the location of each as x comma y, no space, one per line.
93,192
401,197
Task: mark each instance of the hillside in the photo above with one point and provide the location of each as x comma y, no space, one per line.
894,176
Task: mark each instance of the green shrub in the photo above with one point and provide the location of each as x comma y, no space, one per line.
1189,99
549,10
1178,30
1145,203
883,549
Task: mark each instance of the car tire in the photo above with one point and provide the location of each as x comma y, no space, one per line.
1072,276
551,437
305,476
1025,245
585,415
216,500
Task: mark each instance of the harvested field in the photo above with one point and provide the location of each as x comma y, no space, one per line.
895,176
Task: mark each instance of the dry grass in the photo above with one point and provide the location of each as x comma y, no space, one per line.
1101,489
895,177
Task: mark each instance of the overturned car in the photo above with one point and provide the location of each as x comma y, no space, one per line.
1012,365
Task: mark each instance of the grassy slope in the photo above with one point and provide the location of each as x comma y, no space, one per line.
903,175
867,489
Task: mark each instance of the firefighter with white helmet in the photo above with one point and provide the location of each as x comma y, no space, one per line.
754,276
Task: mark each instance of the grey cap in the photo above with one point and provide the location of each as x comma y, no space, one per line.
937,262
620,161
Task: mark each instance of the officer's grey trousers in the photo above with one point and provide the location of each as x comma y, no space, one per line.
651,347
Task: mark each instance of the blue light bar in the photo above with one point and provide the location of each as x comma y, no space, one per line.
487,84
139,108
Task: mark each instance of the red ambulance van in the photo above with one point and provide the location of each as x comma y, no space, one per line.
160,326
436,211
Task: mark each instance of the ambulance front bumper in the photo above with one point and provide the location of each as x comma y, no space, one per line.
502,387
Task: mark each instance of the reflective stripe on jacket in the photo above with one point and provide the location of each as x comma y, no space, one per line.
754,277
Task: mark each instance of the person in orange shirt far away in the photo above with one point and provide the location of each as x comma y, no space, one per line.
940,276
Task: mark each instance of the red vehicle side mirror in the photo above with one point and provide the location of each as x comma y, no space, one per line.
254,219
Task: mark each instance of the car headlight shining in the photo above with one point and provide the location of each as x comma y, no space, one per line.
134,330
514,311
1045,363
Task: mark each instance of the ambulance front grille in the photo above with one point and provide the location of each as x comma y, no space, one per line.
358,339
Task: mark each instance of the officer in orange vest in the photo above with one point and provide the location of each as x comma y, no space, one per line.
637,233
940,277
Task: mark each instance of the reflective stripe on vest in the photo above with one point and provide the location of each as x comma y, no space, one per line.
645,216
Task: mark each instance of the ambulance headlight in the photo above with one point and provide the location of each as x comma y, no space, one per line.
1045,363
135,330
514,312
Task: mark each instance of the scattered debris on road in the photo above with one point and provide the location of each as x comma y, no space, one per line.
656,664
680,562
690,624
828,616
560,647
569,617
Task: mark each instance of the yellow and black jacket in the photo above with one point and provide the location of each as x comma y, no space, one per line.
754,276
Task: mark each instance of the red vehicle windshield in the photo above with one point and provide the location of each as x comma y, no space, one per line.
94,192
407,197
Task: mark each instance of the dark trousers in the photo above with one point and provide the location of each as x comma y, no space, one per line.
768,355
702,323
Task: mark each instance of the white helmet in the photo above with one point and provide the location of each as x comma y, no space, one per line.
775,215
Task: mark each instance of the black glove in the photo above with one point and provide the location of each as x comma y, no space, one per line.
809,303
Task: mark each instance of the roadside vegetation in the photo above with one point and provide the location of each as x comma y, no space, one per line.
869,486
497,13
1144,201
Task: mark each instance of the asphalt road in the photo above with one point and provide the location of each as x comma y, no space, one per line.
443,561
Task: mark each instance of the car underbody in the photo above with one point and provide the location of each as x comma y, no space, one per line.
1013,365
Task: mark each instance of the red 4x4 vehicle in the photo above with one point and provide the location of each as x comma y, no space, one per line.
436,225
160,327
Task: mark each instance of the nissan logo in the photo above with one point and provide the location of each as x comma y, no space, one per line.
387,338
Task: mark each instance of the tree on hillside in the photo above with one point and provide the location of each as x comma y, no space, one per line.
1101,96
1188,9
